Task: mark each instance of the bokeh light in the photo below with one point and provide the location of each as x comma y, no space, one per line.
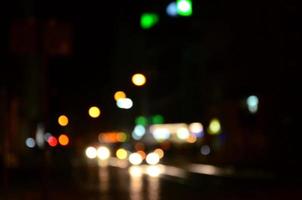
141,120
183,133
159,152
91,152
191,139
205,150
154,171
148,20
142,153
121,154
119,95
161,134
139,146
63,140
172,9
103,153
138,132
124,103
252,103
184,7
157,119
135,171
63,120
135,159
152,158
196,127
94,112
52,141
30,142
214,127
139,79
121,137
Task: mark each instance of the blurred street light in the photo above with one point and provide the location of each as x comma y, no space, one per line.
124,103
52,141
30,142
91,152
63,120
184,7
94,112
139,79
141,120
172,9
119,95
148,20
63,140
152,158
214,127
135,159
103,153
122,154
252,104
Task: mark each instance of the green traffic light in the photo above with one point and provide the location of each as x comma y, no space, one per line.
148,20
184,7
141,121
157,119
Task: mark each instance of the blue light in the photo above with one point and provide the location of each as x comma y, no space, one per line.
172,9
124,103
138,132
205,150
30,142
252,103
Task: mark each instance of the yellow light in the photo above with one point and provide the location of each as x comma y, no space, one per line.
119,95
63,140
159,152
63,120
94,112
214,127
121,154
138,79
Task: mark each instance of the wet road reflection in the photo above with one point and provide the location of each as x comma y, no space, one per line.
139,182
136,182
154,189
104,179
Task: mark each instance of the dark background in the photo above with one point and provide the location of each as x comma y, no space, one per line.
197,68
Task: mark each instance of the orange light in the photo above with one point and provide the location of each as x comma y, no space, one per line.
63,140
142,153
119,95
139,146
192,139
159,152
52,141
63,120
112,137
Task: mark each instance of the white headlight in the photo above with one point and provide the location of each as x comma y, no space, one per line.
103,153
